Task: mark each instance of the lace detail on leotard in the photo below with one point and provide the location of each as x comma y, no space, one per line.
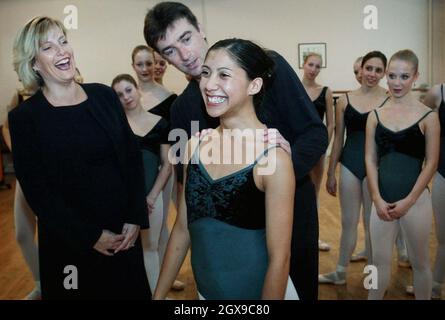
233,199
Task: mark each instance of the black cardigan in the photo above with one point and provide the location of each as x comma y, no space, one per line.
32,168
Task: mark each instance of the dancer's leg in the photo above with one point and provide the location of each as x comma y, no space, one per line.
416,225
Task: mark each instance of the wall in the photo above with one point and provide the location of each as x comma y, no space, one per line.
438,41
401,24
109,29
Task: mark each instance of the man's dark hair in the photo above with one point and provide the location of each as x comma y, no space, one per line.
162,16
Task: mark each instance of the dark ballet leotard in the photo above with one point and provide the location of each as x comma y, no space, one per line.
400,159
353,154
150,144
163,109
441,167
226,221
320,103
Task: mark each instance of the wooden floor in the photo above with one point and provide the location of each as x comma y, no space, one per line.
16,280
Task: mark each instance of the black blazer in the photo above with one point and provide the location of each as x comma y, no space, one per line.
33,168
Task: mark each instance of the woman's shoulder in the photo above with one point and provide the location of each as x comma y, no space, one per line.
326,92
428,118
275,157
100,94
275,168
414,109
161,92
318,87
172,96
436,92
96,88
30,105
280,155
436,89
168,99
422,108
350,94
321,87
354,93
343,100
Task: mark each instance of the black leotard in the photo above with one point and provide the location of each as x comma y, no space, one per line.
353,154
400,158
320,103
150,145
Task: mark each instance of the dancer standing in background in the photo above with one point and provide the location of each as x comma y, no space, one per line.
322,99
357,69
151,131
402,153
152,93
402,253
351,113
160,66
24,218
158,100
436,100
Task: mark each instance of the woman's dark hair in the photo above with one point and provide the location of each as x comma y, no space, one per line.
375,54
123,77
252,59
162,16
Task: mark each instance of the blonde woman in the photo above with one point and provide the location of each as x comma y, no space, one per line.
321,97
80,169
402,153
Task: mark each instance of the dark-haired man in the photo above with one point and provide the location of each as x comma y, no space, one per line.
173,30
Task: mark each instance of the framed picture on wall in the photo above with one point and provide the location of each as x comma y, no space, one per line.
305,48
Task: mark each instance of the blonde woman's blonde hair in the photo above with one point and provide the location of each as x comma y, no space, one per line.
312,54
408,56
26,47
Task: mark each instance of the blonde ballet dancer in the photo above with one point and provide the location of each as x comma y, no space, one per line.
321,97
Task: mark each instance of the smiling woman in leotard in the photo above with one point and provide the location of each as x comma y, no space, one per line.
237,220
351,112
